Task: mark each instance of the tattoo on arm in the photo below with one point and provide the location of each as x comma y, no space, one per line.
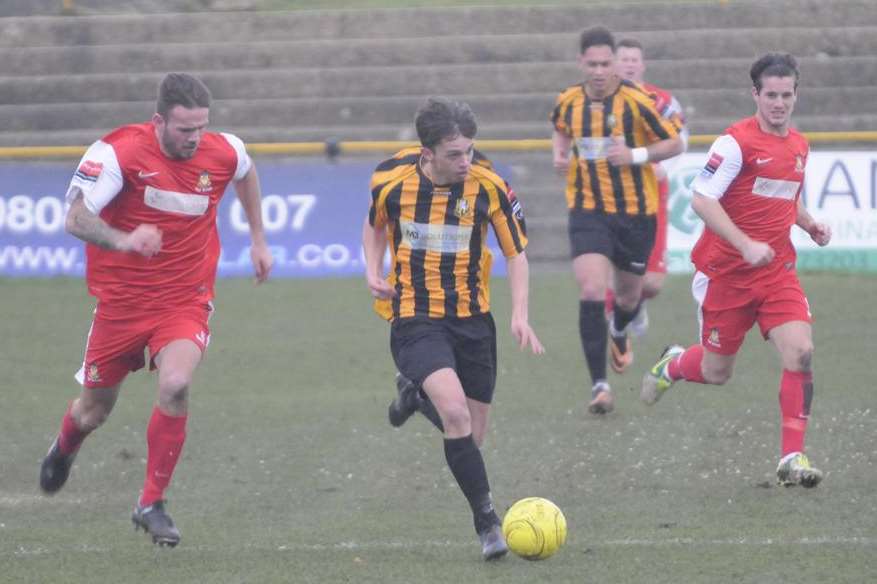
89,227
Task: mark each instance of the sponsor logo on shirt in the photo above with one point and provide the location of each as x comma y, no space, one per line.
775,188
593,148
437,238
89,170
172,202
204,185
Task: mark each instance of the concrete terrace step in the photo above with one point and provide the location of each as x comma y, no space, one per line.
414,23
686,78
344,112
251,132
327,54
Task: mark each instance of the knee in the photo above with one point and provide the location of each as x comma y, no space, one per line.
173,389
592,291
717,375
93,416
457,420
799,357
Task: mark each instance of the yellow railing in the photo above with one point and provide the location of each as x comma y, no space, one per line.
319,148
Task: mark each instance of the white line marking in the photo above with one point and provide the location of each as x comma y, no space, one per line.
414,545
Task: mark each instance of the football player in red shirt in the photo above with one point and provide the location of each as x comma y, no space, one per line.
749,197
144,199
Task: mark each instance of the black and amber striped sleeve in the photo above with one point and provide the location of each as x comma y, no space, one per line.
562,113
506,214
384,177
655,126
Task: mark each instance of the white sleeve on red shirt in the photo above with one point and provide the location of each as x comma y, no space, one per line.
724,161
98,176
245,163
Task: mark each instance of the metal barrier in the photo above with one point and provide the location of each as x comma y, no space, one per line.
318,148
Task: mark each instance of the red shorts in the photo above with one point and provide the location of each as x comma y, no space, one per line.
726,312
117,340
658,260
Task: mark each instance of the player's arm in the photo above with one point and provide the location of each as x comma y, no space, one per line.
724,162
374,245
560,145
619,154
819,232
89,227
519,282
662,137
756,253
249,193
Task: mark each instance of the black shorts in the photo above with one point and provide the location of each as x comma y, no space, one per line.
626,240
421,346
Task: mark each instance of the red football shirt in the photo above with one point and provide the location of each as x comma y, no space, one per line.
127,179
757,177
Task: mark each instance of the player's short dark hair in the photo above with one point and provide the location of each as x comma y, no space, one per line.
440,118
774,65
181,89
596,37
630,43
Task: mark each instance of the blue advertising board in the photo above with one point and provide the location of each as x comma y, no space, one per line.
312,212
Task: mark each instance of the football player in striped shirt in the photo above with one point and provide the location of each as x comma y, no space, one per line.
607,131
433,210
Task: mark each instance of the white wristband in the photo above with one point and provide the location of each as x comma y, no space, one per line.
639,155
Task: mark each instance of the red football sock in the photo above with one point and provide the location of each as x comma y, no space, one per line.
165,436
687,365
610,300
796,393
70,437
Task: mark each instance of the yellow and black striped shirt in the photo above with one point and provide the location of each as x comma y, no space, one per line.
592,183
438,236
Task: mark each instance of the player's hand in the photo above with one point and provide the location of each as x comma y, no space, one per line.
758,253
618,154
262,260
380,288
144,240
524,335
820,233
561,164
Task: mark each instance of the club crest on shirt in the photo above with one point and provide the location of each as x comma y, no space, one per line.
204,184
462,208
714,338
93,374
799,163
610,122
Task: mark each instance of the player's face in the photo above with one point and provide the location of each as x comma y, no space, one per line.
451,159
776,101
598,65
629,63
182,130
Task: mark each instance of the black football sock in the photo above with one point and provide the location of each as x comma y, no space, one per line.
623,317
593,332
467,466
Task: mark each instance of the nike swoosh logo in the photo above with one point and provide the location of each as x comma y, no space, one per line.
762,160
142,174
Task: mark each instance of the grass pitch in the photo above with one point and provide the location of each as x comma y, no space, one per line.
291,472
